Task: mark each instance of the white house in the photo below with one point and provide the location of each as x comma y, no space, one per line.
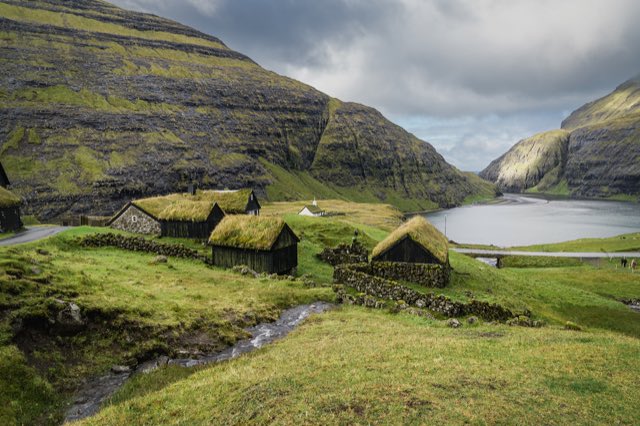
312,210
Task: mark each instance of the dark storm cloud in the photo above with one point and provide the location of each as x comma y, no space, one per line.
281,31
489,71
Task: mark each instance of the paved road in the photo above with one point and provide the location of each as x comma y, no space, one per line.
33,233
575,255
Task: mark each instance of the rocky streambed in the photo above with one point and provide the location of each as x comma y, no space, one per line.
633,304
89,399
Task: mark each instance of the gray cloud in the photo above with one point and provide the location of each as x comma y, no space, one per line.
488,71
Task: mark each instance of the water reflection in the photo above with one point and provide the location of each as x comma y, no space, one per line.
520,220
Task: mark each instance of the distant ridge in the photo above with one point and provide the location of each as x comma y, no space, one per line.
596,154
101,105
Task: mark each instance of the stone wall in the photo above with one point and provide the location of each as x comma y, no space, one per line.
135,220
357,277
428,275
141,244
345,253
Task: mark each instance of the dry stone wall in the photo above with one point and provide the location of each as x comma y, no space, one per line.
429,275
345,253
357,276
141,244
136,221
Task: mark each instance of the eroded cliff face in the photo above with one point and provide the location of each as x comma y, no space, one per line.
101,105
528,162
596,154
604,159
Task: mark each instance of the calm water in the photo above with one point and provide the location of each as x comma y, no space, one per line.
519,220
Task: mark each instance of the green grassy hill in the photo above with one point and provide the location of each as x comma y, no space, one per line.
622,102
366,366
353,365
358,366
101,105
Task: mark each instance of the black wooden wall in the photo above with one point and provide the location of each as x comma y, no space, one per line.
252,203
10,219
285,259
189,229
279,261
4,180
406,250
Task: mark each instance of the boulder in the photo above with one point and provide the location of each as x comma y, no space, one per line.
160,259
454,323
69,319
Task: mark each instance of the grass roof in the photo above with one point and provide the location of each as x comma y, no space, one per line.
184,207
420,231
313,209
231,201
196,207
195,211
248,232
8,199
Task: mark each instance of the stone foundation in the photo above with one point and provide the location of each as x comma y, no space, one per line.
426,274
135,220
357,277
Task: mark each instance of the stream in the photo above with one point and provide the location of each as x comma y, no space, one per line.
90,397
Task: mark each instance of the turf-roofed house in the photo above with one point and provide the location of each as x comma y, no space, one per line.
176,215
9,205
312,210
264,244
416,251
236,201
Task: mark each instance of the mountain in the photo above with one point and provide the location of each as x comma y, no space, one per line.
595,154
101,105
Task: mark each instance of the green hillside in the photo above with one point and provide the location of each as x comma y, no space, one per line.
622,102
351,365
101,105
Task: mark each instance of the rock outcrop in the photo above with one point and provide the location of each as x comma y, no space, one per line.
101,105
596,154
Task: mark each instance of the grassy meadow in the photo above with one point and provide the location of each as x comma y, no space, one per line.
349,366
136,308
358,366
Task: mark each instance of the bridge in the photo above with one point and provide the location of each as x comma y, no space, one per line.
583,256
567,254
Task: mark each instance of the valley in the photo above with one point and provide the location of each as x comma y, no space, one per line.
135,309
190,238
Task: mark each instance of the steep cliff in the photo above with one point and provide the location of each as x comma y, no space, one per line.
596,154
530,161
100,105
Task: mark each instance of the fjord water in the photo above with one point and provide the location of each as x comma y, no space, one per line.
517,220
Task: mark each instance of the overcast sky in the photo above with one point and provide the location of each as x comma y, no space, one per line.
472,77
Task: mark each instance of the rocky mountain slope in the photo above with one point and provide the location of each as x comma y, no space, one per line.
100,105
596,154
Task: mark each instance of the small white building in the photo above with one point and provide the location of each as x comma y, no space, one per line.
311,210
